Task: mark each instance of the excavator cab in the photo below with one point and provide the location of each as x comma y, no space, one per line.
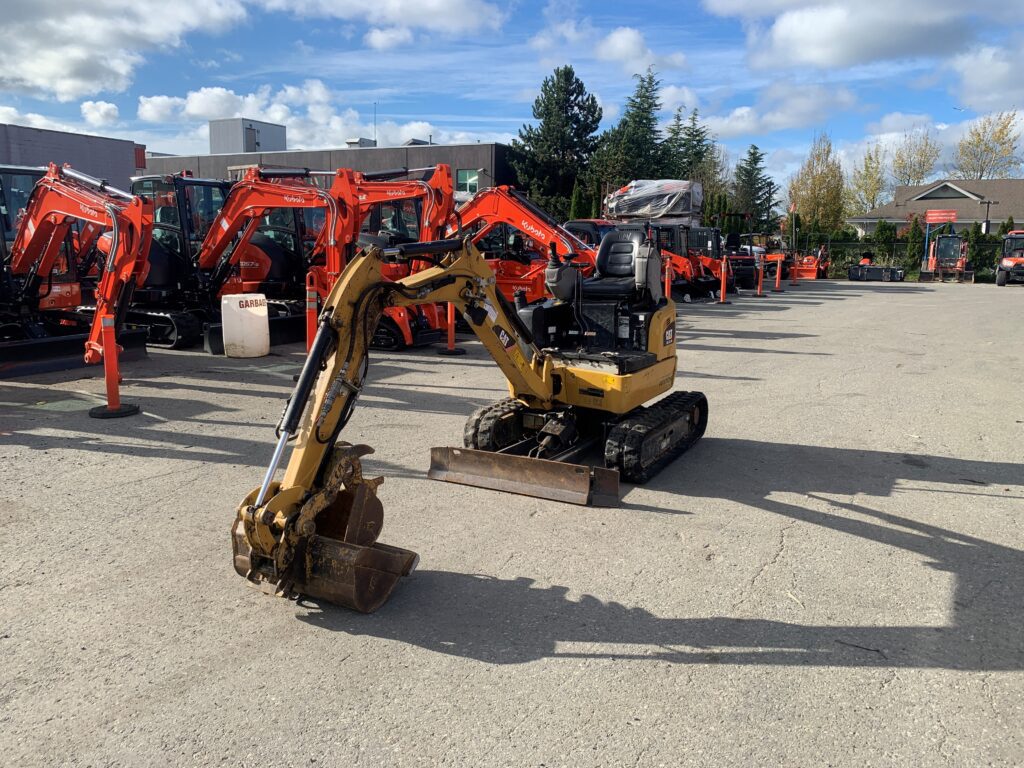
183,209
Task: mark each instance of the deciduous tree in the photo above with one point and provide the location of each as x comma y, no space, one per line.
914,158
990,149
817,188
866,185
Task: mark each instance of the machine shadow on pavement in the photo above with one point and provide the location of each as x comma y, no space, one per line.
510,621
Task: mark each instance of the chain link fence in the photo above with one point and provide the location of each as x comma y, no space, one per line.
983,257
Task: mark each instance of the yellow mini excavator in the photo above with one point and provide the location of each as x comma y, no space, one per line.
580,367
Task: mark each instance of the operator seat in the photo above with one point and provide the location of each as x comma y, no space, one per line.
615,277
732,242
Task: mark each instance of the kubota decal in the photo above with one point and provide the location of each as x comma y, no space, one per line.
528,227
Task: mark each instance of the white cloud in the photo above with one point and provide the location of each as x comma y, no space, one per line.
627,46
391,37
675,96
450,16
159,109
609,109
73,50
308,110
12,116
783,106
99,113
989,78
843,33
188,140
213,103
898,123
561,27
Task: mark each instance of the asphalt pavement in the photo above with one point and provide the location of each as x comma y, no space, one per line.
833,576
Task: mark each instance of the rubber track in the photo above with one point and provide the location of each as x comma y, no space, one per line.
479,432
187,328
472,428
624,446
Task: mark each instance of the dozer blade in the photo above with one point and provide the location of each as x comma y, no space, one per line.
329,550
555,480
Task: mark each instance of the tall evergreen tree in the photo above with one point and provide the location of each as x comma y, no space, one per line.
641,137
548,157
754,191
577,206
698,147
673,147
633,148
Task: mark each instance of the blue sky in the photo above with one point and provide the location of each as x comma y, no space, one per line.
771,72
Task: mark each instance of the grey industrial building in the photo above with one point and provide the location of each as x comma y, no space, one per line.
241,134
474,166
115,160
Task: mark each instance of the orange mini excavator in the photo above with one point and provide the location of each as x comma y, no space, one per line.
230,264
390,212
62,287
517,267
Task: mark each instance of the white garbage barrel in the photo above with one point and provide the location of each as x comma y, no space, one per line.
245,325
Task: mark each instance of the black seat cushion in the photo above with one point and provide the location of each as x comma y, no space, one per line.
609,287
615,276
732,241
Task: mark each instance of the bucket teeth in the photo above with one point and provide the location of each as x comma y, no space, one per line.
329,550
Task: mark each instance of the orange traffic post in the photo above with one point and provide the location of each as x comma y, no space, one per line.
760,280
723,288
451,349
114,409
778,277
793,272
668,278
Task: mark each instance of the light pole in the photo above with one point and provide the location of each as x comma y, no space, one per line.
986,226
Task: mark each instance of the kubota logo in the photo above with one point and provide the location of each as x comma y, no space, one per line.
529,228
87,210
396,193
292,199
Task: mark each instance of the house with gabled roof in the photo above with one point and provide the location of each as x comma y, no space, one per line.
973,201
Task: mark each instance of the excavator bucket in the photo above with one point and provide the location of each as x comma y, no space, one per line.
555,480
329,551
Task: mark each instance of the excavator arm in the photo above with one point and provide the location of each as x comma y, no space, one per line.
259,192
315,531
505,205
436,192
62,197
494,206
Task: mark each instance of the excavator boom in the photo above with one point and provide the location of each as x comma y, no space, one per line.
515,272
65,196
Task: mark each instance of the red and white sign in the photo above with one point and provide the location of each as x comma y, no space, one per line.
935,216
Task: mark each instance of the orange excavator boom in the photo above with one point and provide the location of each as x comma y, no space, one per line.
65,196
494,206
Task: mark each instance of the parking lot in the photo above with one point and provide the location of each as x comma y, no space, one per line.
834,575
